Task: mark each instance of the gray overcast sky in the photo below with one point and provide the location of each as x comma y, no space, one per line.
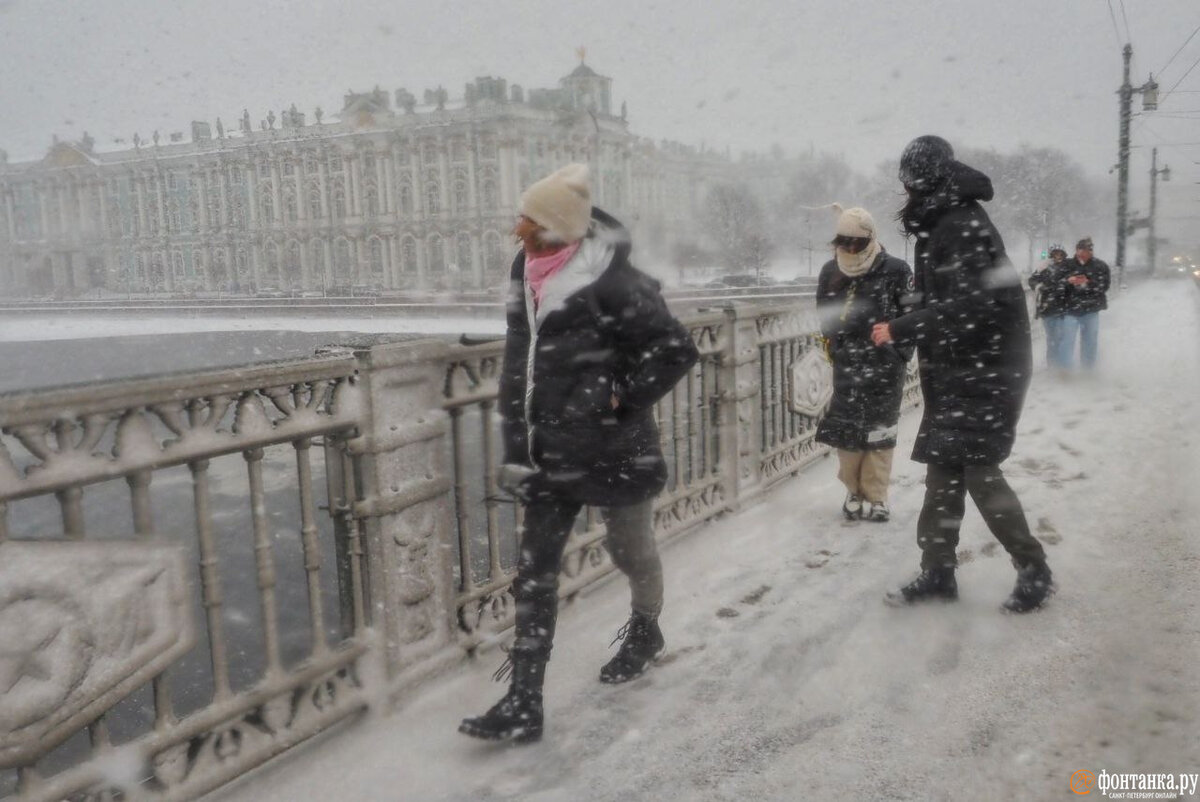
857,78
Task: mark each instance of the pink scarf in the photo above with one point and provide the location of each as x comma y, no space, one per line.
540,268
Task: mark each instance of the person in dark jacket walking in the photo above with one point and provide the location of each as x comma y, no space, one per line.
1086,294
1048,282
860,286
591,347
971,329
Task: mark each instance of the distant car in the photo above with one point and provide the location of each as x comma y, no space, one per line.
270,292
309,294
365,291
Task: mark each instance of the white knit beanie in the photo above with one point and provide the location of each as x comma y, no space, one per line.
561,203
856,222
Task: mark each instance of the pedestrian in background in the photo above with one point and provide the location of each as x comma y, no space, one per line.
1086,294
590,349
970,326
1048,282
862,285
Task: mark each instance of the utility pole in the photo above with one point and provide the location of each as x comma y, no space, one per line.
1165,172
1149,92
1126,95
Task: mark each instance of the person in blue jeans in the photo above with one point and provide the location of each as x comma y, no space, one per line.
1048,284
1086,282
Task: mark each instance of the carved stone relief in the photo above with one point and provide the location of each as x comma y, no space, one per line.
811,384
81,626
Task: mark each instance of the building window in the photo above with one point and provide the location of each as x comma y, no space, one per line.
437,257
316,263
267,206
433,197
462,257
293,269
314,203
406,199
271,274
376,255
343,263
461,195
494,267
339,200
408,256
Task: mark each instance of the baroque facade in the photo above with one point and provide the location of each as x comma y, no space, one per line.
394,194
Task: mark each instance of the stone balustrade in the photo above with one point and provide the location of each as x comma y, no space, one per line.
198,572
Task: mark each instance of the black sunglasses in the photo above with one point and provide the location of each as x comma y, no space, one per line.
852,244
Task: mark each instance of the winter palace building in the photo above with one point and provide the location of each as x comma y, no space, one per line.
397,194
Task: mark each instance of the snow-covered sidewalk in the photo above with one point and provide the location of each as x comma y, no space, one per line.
786,678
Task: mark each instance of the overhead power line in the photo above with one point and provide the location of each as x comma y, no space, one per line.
1128,33
1180,50
1116,28
1177,83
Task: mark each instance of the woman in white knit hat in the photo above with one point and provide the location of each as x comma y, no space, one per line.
862,285
591,347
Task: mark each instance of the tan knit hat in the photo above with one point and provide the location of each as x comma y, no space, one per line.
561,203
856,222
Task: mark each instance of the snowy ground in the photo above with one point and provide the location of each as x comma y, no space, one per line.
786,678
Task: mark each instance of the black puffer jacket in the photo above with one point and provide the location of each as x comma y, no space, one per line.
1091,297
868,382
970,325
1050,289
602,328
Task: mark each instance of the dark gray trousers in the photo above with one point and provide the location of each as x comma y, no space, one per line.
941,517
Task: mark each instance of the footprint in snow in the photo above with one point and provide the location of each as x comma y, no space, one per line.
1047,532
1072,451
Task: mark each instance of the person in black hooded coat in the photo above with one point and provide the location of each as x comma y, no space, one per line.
591,348
861,285
970,325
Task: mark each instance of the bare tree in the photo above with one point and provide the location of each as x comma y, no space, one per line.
736,224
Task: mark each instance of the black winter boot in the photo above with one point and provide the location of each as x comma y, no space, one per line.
1034,584
933,583
518,716
642,641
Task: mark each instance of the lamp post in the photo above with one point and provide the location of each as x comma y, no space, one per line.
1149,92
1155,172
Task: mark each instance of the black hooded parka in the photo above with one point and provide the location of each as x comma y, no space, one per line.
970,325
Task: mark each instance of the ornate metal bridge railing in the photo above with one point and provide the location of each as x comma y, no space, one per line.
188,587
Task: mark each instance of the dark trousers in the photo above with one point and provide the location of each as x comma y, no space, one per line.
941,517
547,526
